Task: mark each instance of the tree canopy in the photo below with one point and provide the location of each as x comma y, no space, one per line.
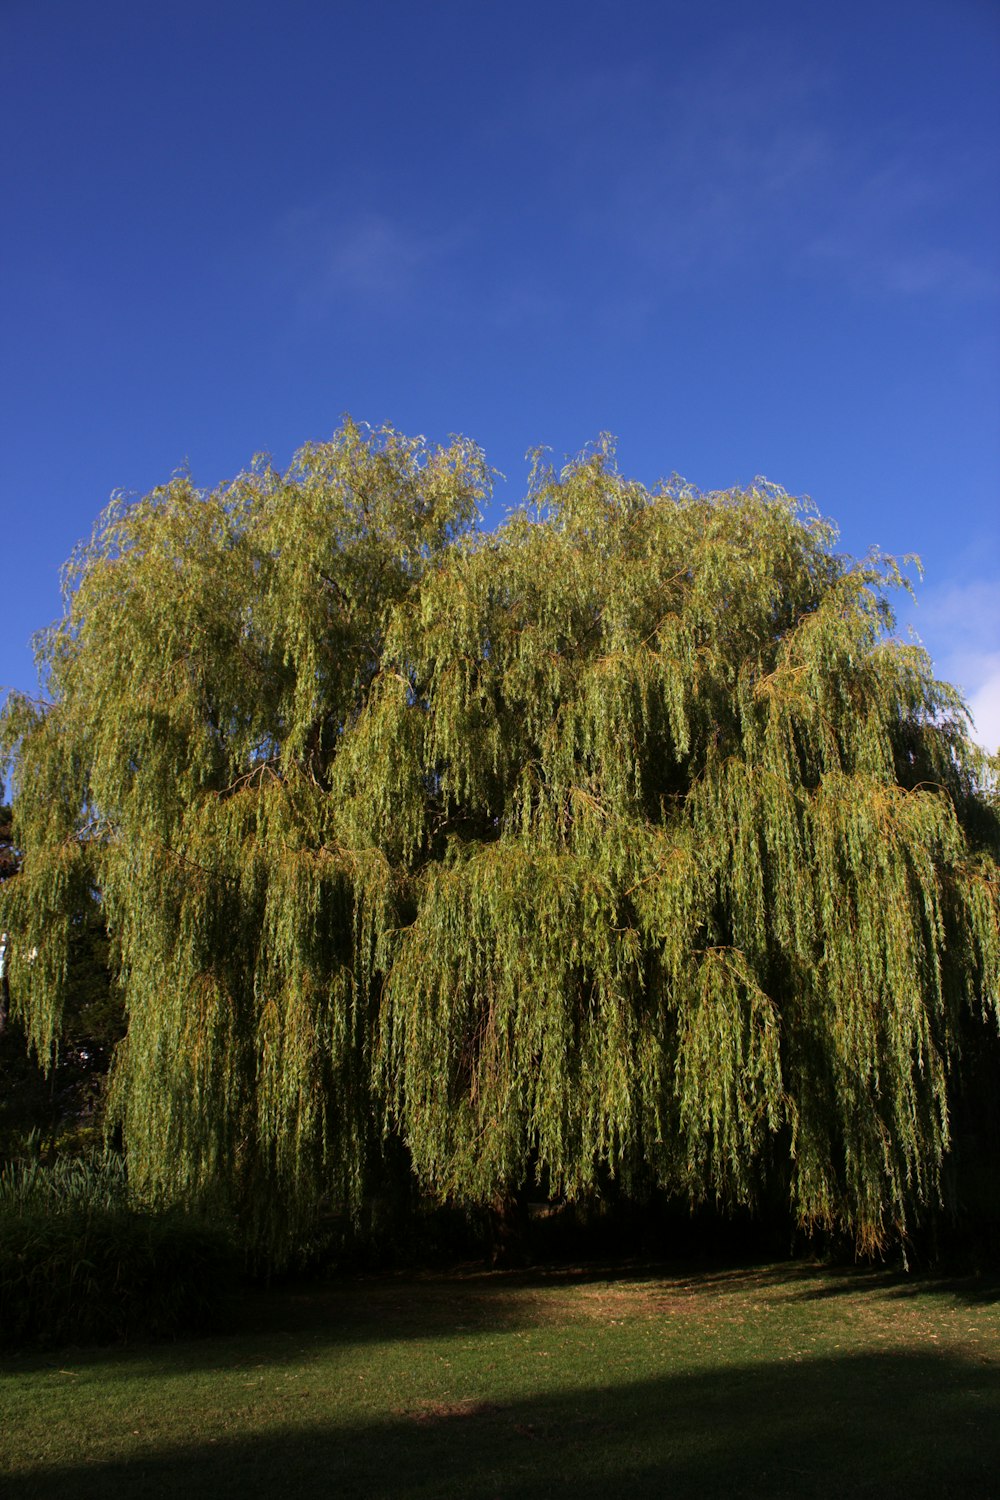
623,841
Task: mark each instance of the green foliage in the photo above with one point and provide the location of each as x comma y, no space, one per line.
72,1184
622,841
79,1263
61,1095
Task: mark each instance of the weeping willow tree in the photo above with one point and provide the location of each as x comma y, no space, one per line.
621,843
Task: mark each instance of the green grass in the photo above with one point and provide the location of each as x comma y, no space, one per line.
776,1381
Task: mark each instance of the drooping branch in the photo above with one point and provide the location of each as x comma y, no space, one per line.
624,840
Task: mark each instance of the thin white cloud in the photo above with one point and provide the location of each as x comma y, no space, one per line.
985,704
374,256
728,172
894,229
960,625
750,162
368,256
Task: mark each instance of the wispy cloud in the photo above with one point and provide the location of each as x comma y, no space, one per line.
897,225
985,704
366,256
753,161
724,169
959,622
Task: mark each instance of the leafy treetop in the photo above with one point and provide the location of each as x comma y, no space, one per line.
621,841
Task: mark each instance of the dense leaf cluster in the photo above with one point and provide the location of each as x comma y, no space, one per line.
81,1262
623,841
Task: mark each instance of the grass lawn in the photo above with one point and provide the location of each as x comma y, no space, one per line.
782,1380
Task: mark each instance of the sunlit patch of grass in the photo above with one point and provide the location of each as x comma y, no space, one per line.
786,1380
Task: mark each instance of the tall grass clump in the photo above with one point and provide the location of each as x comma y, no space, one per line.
82,1262
95,1182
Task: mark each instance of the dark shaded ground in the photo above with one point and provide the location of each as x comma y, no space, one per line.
905,1419
862,1425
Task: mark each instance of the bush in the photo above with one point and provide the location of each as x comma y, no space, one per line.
79,1264
29,1185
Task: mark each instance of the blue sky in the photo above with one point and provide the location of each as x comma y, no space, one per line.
746,239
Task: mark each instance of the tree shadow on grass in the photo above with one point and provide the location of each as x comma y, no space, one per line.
269,1325
889,1424
375,1308
814,1281
983,1292
266,1326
